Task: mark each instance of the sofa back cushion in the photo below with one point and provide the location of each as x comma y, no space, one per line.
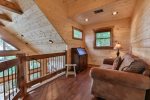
117,63
127,60
138,66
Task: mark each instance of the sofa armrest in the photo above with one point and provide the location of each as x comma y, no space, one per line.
121,78
108,61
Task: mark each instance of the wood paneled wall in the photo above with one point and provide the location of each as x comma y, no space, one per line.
140,31
121,33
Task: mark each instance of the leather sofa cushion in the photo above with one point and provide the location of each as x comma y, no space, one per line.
137,66
127,60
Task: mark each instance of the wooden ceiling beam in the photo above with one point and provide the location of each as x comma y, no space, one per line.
5,17
11,6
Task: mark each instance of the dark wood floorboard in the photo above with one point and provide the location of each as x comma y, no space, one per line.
64,88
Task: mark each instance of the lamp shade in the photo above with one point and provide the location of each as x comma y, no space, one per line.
117,46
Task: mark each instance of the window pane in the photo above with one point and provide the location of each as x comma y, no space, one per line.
9,47
6,46
34,76
77,34
1,44
34,64
103,35
102,42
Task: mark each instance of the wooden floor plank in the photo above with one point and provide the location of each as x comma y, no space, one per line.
65,89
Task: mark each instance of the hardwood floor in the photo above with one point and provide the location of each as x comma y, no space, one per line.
65,89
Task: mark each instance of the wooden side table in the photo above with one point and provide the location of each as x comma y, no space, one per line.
68,72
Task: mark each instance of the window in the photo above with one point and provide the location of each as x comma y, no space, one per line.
77,33
6,46
103,38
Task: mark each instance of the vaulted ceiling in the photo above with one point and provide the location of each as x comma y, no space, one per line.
31,26
27,22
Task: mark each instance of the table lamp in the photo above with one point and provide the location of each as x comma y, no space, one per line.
117,47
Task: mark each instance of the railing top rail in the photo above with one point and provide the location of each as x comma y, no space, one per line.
8,64
36,57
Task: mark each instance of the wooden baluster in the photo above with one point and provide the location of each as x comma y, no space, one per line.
46,66
16,79
29,71
8,84
63,61
49,64
4,85
40,68
55,62
36,61
50,61
33,69
58,62
59,65
12,80
43,68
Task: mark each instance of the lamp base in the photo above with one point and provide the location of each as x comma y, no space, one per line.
118,53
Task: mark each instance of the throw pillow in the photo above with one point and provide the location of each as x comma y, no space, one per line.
137,66
126,62
116,63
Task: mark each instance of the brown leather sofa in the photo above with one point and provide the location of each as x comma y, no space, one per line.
119,85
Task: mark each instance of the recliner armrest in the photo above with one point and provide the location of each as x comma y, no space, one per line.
121,78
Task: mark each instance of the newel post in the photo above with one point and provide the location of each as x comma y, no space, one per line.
22,75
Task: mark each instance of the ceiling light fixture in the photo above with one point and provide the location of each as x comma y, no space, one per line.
86,19
50,41
115,13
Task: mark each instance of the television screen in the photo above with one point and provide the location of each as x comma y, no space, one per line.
81,51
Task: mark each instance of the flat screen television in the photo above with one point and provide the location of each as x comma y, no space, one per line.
81,51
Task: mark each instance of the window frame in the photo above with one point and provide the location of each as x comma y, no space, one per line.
74,28
108,29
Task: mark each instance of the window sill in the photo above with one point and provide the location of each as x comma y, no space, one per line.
103,47
77,38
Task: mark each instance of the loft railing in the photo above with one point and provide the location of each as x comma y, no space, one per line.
10,80
20,74
42,67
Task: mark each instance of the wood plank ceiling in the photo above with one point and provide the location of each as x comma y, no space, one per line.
25,20
79,10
